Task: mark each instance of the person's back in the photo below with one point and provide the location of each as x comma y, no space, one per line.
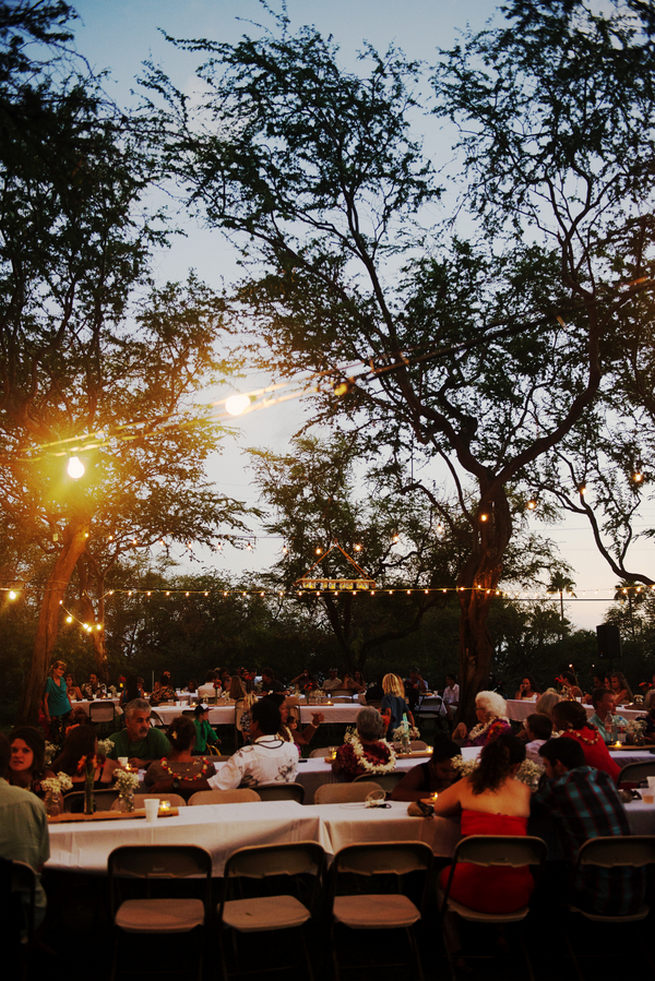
493,802
582,802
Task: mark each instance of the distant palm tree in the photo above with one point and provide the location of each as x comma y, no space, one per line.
561,582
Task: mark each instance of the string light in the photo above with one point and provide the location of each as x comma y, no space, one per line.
75,468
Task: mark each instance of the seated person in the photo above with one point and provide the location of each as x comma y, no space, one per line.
289,730
430,777
527,688
164,691
74,690
491,712
27,759
491,801
269,682
139,741
538,728
333,681
23,830
81,745
267,758
415,686
394,706
605,718
210,687
354,682
570,686
545,702
92,689
450,694
570,720
179,769
620,689
205,734
367,751
582,803
78,717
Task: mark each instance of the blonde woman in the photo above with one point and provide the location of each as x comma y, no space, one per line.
393,706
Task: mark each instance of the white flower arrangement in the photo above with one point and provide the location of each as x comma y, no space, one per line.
636,728
528,773
399,732
49,753
57,784
105,747
126,782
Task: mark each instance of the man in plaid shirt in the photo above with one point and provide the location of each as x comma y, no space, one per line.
583,803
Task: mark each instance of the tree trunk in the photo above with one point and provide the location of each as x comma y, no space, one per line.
74,543
477,584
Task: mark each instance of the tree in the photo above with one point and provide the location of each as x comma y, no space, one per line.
478,356
561,582
95,361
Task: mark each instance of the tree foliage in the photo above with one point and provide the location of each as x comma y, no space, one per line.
95,359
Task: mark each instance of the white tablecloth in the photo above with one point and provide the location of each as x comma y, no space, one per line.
221,829
340,712
519,709
219,715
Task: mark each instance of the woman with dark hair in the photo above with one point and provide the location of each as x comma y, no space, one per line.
131,690
80,745
165,774
570,720
165,692
527,688
26,760
205,734
491,801
620,689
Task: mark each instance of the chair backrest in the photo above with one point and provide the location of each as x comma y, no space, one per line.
344,793
618,850
175,800
417,744
156,720
17,899
384,858
240,795
510,850
102,711
385,780
74,800
155,863
636,772
282,791
321,751
260,861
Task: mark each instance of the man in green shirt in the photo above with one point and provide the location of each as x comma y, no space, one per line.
138,740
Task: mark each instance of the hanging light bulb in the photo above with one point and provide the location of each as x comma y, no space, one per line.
237,404
75,468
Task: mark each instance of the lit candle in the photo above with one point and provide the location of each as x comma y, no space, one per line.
164,806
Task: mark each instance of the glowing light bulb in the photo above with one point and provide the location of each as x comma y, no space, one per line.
237,404
12,594
75,468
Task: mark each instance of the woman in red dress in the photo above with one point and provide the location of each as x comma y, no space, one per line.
492,802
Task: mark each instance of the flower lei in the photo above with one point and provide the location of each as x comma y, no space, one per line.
359,753
482,727
528,773
196,776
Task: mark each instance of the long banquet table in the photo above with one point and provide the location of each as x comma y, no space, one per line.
222,828
519,709
224,713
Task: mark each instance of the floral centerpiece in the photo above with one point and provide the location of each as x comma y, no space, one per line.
636,731
53,787
105,746
529,772
126,784
49,753
402,736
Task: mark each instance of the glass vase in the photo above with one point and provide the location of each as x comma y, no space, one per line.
54,803
124,802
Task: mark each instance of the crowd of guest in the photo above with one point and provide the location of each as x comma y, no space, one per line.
577,793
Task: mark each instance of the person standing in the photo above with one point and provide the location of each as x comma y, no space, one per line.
56,704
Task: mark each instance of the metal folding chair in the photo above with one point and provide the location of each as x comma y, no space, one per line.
159,865
389,908
282,791
511,851
294,864
240,795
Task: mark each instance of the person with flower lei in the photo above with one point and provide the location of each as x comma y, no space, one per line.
491,713
570,721
366,751
180,770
